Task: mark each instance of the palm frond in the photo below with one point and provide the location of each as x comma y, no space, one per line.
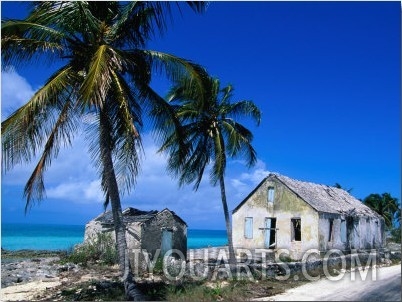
211,131
69,16
26,129
244,109
198,159
175,68
198,6
238,141
134,27
97,82
128,141
21,41
61,134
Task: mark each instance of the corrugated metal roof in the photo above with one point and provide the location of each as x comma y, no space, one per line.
322,198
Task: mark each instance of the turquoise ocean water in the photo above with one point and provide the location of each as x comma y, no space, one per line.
64,237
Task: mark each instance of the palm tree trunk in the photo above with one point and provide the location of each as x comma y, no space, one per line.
232,256
131,290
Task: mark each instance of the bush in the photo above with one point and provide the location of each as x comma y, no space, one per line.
102,248
396,235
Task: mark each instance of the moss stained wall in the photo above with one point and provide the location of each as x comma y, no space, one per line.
286,205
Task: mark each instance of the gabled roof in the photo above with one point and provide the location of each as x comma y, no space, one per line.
174,214
322,198
132,215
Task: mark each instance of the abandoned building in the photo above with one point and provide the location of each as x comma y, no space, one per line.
283,213
145,230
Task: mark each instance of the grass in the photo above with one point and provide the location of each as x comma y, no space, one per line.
94,291
101,248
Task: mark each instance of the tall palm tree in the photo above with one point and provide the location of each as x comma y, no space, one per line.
385,205
212,134
105,73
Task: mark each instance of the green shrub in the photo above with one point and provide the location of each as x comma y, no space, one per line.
396,235
102,248
285,258
158,268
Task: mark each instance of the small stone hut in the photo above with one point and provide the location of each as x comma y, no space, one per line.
145,230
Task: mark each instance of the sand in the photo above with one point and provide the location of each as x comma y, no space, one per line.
27,291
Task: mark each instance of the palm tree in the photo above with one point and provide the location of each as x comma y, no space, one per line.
212,134
337,185
105,74
385,205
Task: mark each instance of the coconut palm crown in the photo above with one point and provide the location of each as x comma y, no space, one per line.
212,134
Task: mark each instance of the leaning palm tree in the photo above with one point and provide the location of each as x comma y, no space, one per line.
385,205
103,83
212,134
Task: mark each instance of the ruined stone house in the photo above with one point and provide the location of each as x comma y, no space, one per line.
145,230
283,213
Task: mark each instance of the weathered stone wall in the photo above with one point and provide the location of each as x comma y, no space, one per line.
362,232
334,238
286,206
133,235
152,233
368,234
93,228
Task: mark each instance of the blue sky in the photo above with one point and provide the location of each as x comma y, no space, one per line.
326,76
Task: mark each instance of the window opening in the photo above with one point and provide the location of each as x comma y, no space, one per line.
271,194
343,231
331,230
296,229
248,227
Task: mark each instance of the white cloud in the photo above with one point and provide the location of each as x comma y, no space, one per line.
15,91
258,173
77,192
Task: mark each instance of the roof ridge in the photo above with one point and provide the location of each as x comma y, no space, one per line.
324,198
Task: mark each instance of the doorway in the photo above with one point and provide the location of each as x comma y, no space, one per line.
167,242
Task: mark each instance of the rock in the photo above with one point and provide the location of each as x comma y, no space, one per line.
87,277
24,270
51,279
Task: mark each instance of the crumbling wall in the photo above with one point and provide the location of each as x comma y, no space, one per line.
152,231
285,207
368,233
357,232
94,227
257,207
291,206
332,232
133,235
